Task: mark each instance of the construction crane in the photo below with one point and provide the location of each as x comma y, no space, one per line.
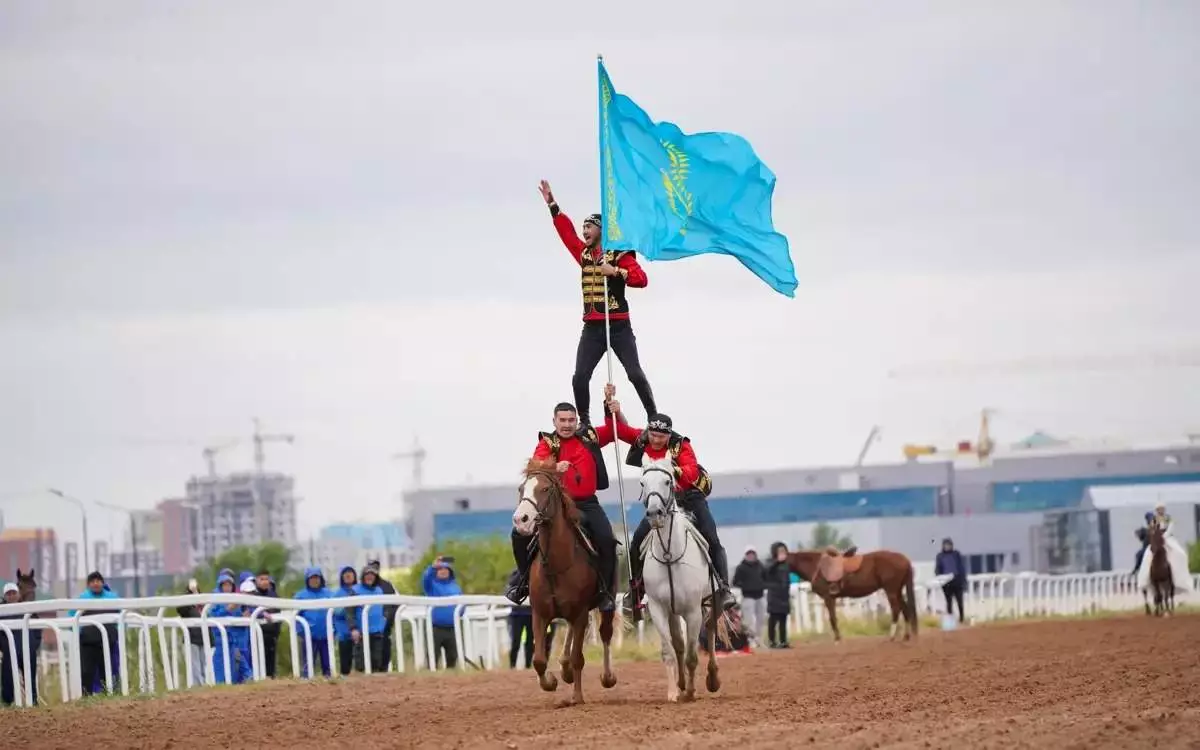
210,455
417,456
260,438
983,448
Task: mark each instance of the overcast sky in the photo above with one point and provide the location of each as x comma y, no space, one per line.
326,215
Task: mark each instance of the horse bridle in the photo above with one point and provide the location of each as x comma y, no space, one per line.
670,507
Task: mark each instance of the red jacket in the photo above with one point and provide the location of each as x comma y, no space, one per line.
687,468
635,277
580,479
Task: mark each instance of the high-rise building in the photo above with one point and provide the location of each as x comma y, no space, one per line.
180,536
243,509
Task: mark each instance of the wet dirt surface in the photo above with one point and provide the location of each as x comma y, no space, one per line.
1128,682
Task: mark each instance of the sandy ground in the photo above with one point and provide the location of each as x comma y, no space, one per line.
1129,682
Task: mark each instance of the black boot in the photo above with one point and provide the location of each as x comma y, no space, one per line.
723,596
519,590
608,576
637,590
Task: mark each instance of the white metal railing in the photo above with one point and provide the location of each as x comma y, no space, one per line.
480,627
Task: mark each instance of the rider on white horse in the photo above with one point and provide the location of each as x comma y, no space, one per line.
1177,557
692,487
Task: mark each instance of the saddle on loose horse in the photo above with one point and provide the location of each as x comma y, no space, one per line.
834,565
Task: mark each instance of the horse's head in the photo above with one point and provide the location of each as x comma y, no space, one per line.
658,489
27,585
1157,540
539,498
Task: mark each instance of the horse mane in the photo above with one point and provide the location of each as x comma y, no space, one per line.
537,467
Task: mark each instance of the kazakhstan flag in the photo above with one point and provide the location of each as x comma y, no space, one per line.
669,195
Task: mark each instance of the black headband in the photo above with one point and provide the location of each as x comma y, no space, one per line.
594,220
659,423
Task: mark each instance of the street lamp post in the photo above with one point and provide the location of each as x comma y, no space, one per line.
137,578
83,514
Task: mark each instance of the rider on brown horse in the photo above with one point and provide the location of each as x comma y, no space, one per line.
576,450
692,487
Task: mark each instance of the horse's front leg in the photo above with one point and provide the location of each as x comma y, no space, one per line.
578,633
607,679
661,620
549,683
713,680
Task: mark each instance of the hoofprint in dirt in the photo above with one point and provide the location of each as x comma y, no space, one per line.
1129,682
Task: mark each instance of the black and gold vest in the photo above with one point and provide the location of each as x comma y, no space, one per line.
674,445
591,441
592,281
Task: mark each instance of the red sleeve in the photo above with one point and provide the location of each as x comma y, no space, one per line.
635,276
689,468
604,433
566,232
627,433
542,452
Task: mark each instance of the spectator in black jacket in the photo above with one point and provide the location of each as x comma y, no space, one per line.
196,636
950,562
389,612
91,643
264,585
750,578
778,581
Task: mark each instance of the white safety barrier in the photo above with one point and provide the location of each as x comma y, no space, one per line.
479,622
480,625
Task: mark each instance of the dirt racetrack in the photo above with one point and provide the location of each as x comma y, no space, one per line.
1128,682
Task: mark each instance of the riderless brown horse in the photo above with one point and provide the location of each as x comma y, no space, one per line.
563,582
1160,574
833,575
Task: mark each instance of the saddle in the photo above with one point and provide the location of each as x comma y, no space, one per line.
834,565
581,535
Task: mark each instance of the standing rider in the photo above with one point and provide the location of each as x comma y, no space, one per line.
576,450
623,271
692,487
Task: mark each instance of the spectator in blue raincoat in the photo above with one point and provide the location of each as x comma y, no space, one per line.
314,588
239,638
438,580
372,643
345,620
91,644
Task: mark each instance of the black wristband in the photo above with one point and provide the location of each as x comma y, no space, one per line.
554,211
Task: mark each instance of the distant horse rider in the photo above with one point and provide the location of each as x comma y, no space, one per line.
576,450
692,487
622,271
1177,557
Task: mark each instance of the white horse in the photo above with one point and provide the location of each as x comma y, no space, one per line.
677,579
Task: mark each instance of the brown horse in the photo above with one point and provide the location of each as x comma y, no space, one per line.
562,581
835,575
1160,574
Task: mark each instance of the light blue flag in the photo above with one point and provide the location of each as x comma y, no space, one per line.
669,195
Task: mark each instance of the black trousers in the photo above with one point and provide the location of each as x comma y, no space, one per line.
8,689
591,350
599,529
518,624
345,656
954,593
694,502
91,667
270,641
777,628
443,641
370,646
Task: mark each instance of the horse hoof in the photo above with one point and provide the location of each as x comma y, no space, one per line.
712,682
672,698
565,703
608,680
568,675
687,698
550,684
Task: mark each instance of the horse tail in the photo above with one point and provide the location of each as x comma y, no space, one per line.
910,600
